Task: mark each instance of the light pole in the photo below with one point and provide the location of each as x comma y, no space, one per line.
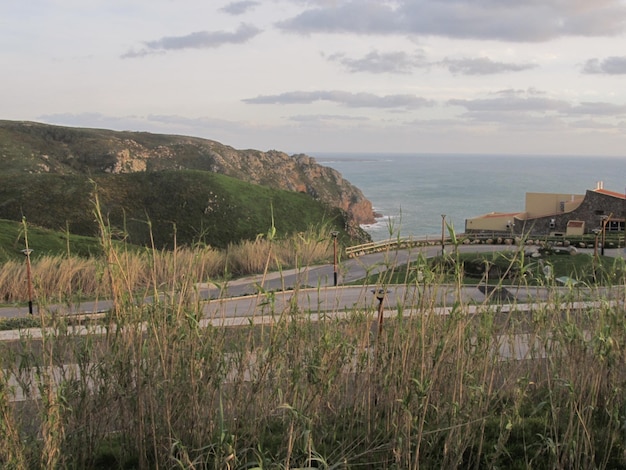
605,220
380,296
596,232
27,253
334,234
443,231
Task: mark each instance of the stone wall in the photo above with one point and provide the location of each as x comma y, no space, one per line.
594,206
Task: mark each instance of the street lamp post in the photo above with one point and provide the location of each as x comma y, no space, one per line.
334,234
596,232
443,231
380,296
27,253
605,220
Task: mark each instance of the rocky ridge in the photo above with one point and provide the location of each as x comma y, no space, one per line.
65,150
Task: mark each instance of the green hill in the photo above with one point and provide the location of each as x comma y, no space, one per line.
196,206
199,189
34,148
48,242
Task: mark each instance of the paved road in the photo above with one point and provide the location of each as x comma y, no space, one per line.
312,289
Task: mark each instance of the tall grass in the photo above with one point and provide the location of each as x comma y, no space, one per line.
158,388
69,278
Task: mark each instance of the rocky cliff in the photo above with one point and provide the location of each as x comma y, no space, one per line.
42,148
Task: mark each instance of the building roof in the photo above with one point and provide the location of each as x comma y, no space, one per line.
610,193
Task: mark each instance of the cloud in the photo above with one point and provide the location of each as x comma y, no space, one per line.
482,66
352,100
599,109
593,125
521,21
238,8
531,110
197,40
306,118
381,62
609,66
510,103
400,62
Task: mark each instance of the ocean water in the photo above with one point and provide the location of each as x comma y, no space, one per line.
411,192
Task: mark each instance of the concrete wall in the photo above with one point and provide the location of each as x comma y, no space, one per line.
544,204
590,210
496,222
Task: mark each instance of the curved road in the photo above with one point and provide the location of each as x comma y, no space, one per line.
312,289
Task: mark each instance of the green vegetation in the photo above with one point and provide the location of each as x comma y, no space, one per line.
28,147
511,268
188,189
45,242
159,385
186,206
62,276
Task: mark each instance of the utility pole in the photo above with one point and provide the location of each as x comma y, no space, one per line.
443,232
27,251
334,234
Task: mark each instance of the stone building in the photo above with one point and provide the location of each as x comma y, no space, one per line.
558,214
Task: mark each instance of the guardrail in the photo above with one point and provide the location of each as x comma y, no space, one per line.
474,238
391,244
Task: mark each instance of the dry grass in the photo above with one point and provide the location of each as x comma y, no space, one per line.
431,390
157,390
60,279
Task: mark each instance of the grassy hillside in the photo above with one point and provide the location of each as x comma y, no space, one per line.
45,242
196,206
36,148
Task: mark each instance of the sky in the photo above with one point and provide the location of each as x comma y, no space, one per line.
304,76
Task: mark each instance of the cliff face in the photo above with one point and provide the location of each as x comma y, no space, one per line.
299,173
43,148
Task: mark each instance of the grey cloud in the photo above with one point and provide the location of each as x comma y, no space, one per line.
539,122
326,117
512,104
482,66
589,124
197,40
239,8
344,17
353,100
524,21
599,109
381,62
530,109
400,62
609,66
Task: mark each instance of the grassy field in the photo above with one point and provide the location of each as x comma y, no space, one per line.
156,387
510,267
60,276
162,208
47,243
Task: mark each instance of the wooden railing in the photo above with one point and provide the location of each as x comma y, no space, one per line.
390,244
489,238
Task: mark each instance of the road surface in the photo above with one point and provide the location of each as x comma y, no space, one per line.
312,289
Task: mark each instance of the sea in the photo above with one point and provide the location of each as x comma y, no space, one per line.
411,192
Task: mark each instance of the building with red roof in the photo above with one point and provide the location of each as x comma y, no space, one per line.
558,214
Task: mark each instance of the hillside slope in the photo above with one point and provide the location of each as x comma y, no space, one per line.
34,148
188,206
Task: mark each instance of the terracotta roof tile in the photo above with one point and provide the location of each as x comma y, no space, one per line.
610,193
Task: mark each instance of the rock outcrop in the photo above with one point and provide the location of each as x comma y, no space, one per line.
66,150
